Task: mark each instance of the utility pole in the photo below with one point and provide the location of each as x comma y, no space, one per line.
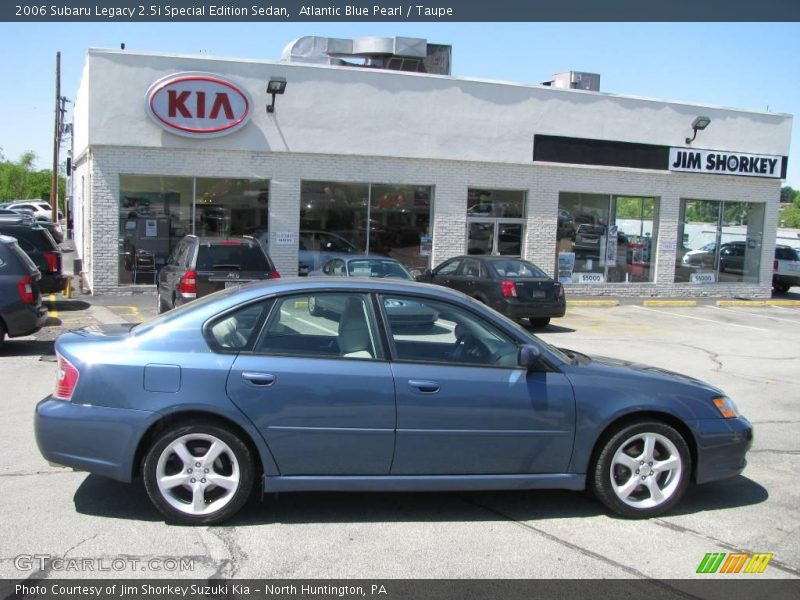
56,142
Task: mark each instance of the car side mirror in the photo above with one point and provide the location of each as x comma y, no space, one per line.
529,356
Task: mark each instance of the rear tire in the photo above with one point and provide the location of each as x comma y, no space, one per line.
642,470
198,473
781,288
2,333
540,323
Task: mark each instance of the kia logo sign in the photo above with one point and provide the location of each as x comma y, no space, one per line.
198,105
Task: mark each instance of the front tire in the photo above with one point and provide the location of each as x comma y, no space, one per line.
642,470
198,473
540,323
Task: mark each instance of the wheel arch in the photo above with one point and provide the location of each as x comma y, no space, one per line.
264,465
647,415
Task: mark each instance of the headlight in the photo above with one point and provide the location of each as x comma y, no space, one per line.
726,407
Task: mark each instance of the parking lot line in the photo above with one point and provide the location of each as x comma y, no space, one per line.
683,316
760,313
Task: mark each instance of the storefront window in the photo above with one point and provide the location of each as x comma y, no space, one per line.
495,222
157,212
232,207
719,241
603,238
355,218
154,214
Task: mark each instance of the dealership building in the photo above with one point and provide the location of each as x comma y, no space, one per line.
369,145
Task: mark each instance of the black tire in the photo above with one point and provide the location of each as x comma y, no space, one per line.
2,333
540,323
198,436
781,288
602,481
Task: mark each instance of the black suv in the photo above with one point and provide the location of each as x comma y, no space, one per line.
199,266
43,250
21,310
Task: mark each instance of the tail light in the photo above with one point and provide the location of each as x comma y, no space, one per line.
560,291
25,289
66,379
52,261
188,284
509,289
274,274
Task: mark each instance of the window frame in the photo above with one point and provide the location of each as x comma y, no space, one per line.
390,341
268,302
372,318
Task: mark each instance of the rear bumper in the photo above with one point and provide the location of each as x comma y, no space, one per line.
50,284
518,309
25,319
721,448
96,439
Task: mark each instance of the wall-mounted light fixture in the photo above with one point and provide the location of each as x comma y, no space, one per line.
698,124
276,85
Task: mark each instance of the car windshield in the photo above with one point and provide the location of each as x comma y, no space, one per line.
516,268
231,255
388,269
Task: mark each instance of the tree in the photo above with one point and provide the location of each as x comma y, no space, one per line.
789,216
790,195
20,180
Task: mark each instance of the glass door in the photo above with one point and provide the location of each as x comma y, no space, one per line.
480,237
495,237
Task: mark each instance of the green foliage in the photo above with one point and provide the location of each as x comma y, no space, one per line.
19,180
790,195
790,216
634,208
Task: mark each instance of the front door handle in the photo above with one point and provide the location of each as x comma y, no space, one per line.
258,379
426,387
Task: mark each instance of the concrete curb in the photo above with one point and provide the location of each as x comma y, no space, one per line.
685,303
669,303
760,303
603,303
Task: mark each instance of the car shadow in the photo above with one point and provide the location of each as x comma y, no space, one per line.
552,329
66,305
12,347
102,497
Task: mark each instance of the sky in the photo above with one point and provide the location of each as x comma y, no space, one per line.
752,66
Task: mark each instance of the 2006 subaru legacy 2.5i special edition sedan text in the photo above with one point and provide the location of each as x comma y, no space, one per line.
247,388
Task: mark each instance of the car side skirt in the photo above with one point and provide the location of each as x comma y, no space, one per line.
430,483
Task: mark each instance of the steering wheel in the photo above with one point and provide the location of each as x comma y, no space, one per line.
469,349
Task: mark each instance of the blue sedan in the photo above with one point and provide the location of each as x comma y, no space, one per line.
246,389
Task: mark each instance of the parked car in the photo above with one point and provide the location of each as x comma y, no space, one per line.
199,266
39,208
701,257
512,286
401,313
587,238
785,268
315,248
42,249
21,310
53,228
245,389
731,256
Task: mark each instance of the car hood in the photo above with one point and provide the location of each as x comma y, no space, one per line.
608,364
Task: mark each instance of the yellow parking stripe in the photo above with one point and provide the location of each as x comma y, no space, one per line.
605,303
670,303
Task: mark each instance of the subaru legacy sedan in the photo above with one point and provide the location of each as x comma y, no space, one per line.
245,390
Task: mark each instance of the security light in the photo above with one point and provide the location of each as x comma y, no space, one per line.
276,85
698,124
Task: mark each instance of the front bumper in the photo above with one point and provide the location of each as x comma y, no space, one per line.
721,448
96,439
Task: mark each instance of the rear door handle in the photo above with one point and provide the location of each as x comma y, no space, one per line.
258,379
426,387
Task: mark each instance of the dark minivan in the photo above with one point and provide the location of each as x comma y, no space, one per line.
199,266
37,243
21,310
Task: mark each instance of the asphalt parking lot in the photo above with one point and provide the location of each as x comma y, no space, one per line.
752,353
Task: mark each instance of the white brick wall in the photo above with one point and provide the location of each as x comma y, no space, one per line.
450,181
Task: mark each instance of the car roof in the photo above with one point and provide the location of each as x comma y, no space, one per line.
489,258
367,257
224,238
7,239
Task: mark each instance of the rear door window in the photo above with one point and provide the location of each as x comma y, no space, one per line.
236,331
24,258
